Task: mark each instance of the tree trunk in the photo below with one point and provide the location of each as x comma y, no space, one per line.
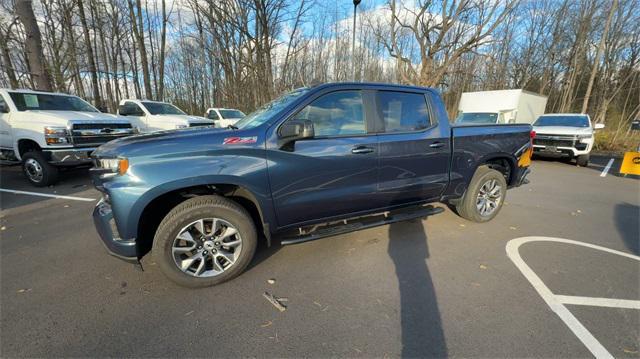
92,63
596,61
33,45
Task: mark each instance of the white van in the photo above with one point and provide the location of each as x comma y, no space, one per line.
498,107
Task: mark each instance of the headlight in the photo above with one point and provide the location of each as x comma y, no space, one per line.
181,126
56,135
585,137
115,165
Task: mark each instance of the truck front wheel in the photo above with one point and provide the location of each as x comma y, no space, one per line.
484,197
37,170
582,160
205,241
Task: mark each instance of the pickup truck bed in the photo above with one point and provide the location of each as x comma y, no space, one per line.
308,161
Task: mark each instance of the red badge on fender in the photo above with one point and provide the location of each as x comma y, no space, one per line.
239,140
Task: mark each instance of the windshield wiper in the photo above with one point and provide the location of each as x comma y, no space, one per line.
232,127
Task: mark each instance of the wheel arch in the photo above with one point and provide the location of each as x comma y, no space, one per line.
24,145
155,209
503,163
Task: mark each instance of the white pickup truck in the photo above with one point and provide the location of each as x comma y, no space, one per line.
46,131
224,117
565,135
151,116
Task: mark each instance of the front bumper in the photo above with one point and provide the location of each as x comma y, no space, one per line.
551,151
105,225
70,156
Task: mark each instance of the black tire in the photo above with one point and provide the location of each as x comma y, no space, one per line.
467,208
582,161
37,170
192,210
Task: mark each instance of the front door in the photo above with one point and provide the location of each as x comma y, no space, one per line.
335,173
414,150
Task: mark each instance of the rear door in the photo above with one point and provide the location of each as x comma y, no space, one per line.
414,149
333,174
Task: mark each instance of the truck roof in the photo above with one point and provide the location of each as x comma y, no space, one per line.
36,92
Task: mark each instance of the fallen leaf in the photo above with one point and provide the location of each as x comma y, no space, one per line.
24,290
579,211
513,228
266,324
3,228
66,206
271,281
462,225
318,304
482,266
629,351
188,313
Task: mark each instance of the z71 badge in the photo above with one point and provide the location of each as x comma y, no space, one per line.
239,140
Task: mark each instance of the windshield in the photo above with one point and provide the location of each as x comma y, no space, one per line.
231,114
46,102
477,118
570,121
264,113
159,108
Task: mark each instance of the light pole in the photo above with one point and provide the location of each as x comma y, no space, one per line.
353,40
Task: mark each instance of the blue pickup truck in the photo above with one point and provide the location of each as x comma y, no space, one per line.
315,162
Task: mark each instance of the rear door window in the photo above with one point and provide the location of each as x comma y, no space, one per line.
403,111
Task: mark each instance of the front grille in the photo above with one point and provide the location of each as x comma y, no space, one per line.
554,140
99,126
96,134
200,124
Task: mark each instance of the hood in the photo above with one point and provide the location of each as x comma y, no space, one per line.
175,142
185,119
562,130
64,117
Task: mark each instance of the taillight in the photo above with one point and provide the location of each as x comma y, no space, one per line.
532,134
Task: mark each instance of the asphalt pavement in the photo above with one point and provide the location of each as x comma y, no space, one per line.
436,287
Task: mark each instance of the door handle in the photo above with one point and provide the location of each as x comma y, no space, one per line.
436,145
361,149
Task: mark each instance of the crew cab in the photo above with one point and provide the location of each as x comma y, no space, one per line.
224,117
47,131
151,116
565,135
313,163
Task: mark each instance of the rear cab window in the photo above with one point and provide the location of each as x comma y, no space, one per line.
403,111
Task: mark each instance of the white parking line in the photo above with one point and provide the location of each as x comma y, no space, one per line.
606,168
557,302
48,195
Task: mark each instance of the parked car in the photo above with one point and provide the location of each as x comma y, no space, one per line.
500,106
313,163
224,117
565,135
151,116
46,131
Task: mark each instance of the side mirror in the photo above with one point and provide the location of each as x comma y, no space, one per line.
4,108
297,130
103,109
598,126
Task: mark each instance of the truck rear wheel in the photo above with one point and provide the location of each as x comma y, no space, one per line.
37,170
484,197
205,241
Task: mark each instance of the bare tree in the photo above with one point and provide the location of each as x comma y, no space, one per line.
33,46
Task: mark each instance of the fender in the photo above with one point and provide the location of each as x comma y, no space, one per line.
128,227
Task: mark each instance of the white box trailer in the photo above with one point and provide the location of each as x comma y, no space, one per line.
501,106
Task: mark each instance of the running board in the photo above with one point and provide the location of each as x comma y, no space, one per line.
358,223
